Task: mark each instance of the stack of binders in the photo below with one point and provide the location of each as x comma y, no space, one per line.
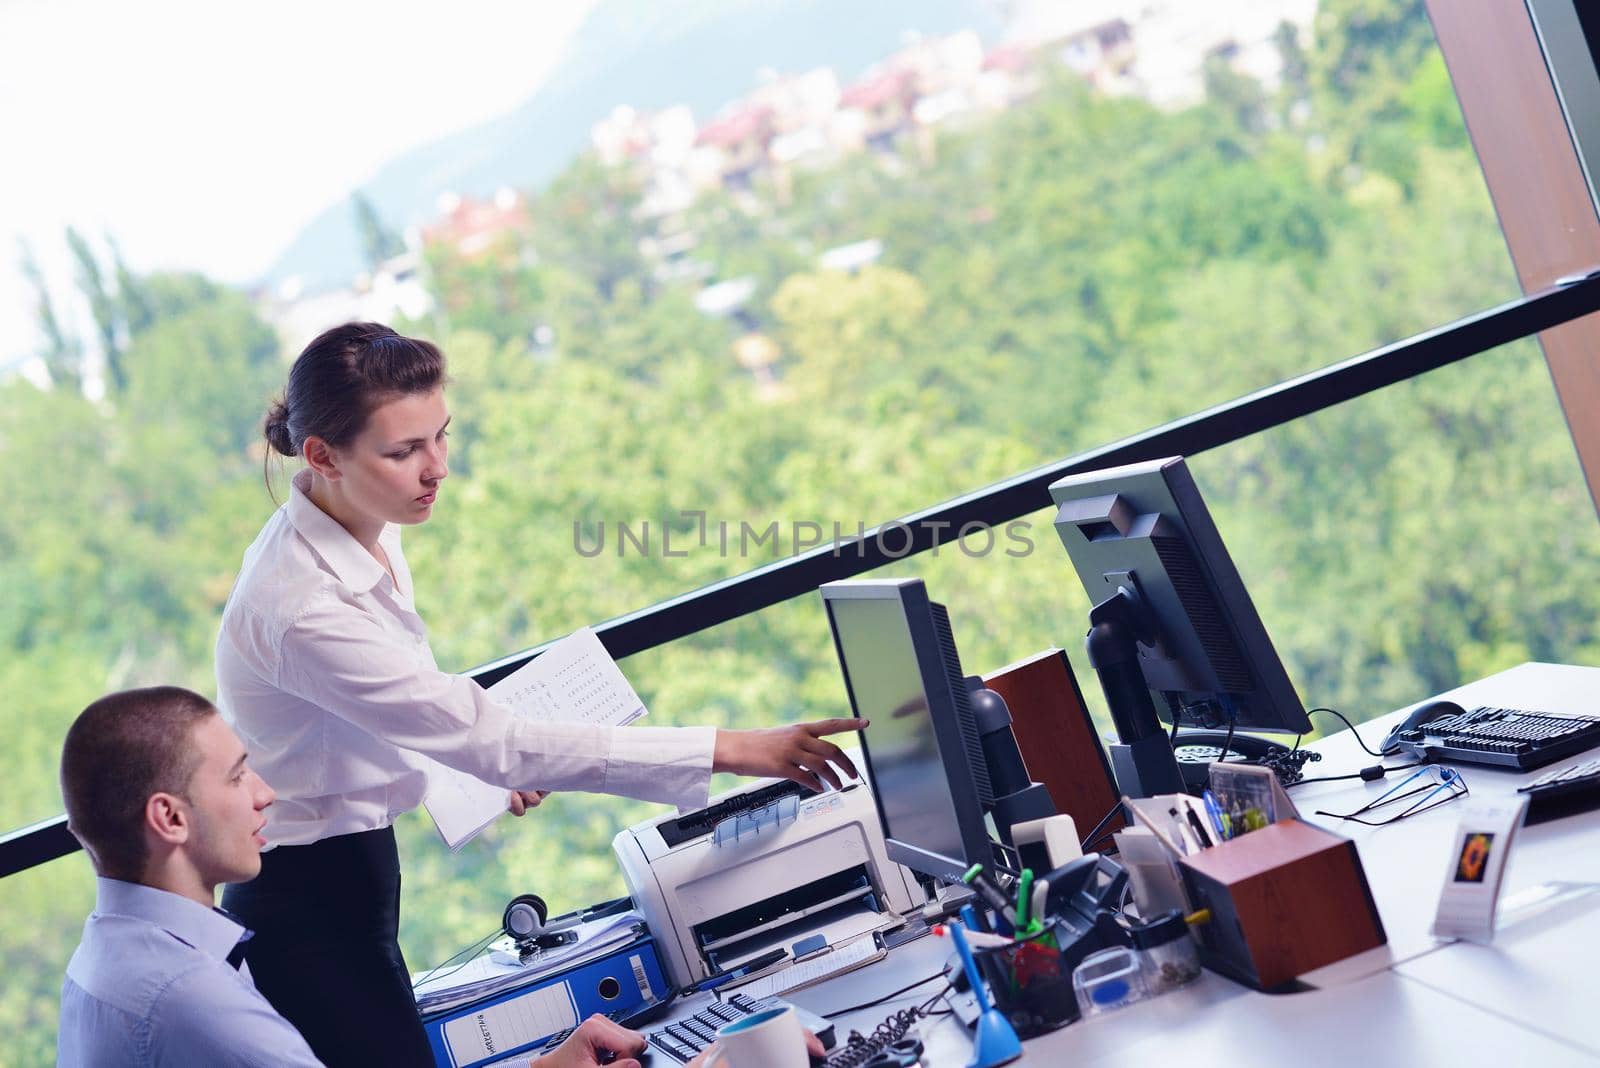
490,1010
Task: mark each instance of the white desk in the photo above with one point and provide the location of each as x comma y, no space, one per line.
1527,1000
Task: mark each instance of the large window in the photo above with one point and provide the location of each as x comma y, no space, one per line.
875,279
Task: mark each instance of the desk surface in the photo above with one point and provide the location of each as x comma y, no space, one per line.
1526,1000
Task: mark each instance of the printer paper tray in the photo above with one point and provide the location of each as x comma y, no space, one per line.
840,923
855,893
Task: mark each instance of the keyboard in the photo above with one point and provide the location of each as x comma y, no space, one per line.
683,1040
1503,737
1565,792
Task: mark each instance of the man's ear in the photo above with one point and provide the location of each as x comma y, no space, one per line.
167,817
320,458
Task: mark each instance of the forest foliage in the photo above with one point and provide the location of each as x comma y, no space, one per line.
1063,275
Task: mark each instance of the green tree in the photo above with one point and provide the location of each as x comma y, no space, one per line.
378,241
103,306
62,354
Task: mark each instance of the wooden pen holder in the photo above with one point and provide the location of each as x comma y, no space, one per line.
1284,900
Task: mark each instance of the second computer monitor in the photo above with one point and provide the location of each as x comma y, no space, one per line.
1143,532
929,778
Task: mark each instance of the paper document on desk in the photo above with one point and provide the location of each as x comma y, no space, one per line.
837,961
573,681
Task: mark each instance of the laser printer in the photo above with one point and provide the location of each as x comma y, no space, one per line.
761,868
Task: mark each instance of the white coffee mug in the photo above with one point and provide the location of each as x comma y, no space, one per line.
772,1038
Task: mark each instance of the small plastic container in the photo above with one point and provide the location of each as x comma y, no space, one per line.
1109,980
1167,953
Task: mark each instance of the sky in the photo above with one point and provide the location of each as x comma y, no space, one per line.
202,134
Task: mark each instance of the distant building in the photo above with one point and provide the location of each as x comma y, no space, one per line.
473,229
1157,49
880,106
736,143
395,290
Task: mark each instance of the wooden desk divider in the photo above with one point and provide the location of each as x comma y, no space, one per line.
1284,900
1057,738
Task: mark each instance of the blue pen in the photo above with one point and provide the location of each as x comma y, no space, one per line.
1218,820
741,971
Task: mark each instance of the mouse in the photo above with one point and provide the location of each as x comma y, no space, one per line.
1423,713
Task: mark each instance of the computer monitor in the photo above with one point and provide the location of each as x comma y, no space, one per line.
1172,627
939,751
902,672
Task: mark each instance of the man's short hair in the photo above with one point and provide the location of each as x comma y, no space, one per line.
119,751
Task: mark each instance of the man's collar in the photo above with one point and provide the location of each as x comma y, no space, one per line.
206,929
355,567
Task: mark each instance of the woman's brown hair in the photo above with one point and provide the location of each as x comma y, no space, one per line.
339,379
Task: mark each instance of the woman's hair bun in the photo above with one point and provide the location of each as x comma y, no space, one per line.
276,428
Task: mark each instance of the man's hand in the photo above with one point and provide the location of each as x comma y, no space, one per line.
813,1047
795,752
524,800
595,1040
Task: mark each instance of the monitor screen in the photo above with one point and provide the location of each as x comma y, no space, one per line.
902,673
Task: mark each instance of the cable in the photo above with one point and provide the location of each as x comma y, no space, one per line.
1094,835
1352,728
1227,744
1381,772
886,997
860,1049
472,949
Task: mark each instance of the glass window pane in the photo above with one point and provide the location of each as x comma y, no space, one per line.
1038,236
41,919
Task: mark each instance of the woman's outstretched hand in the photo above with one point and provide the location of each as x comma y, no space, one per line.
523,801
798,751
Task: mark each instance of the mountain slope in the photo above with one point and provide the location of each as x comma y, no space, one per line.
703,53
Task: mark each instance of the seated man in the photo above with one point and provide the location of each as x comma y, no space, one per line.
158,791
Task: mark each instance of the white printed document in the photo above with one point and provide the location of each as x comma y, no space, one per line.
574,681
846,958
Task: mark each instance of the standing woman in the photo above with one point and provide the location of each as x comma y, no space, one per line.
323,668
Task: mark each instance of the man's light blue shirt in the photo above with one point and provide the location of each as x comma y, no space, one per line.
150,985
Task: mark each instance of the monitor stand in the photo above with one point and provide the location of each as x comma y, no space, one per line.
1141,759
1017,798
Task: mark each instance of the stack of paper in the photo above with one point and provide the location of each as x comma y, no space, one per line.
483,976
573,681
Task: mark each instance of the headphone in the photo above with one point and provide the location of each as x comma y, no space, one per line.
525,917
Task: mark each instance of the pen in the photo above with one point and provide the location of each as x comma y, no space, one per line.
754,964
981,939
1214,810
1199,828
990,893
1191,844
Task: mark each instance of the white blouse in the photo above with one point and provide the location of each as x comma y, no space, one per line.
324,670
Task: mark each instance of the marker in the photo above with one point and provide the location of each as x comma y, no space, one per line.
1024,884
990,893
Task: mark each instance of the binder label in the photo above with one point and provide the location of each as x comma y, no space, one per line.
514,1022
641,977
